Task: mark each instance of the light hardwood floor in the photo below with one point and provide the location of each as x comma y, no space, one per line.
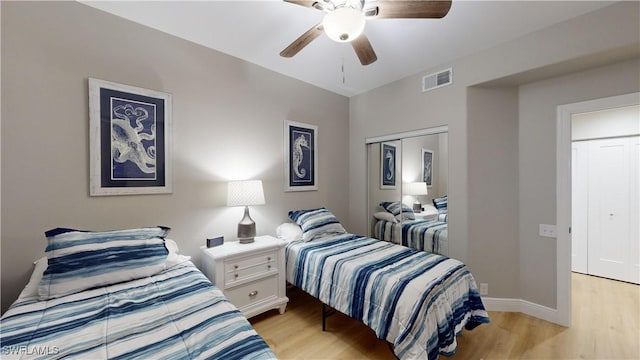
606,318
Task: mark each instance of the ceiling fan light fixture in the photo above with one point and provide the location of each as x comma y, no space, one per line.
344,24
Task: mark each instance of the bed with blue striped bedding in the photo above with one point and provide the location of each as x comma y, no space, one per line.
417,301
174,314
424,235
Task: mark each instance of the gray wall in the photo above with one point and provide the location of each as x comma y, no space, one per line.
538,102
501,113
493,185
228,118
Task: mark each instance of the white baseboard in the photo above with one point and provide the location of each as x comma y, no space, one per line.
522,306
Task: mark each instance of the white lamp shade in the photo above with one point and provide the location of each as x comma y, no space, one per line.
244,193
343,24
415,188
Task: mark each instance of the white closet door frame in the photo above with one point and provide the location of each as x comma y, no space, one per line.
634,192
563,193
579,206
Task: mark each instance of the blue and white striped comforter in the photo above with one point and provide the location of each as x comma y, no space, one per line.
417,301
425,235
176,314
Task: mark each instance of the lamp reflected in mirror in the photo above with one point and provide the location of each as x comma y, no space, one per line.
415,189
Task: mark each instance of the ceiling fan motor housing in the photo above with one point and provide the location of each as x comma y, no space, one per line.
344,24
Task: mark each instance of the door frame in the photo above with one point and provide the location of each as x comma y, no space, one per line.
563,191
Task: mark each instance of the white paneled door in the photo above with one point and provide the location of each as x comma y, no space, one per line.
612,203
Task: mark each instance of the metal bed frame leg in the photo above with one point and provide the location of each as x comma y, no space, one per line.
324,317
326,312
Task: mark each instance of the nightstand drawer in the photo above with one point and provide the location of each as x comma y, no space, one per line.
249,267
253,292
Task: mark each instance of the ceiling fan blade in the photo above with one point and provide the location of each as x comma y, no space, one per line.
305,3
364,50
412,9
304,40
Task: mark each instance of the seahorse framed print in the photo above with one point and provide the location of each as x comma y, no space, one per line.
130,140
301,156
388,168
427,166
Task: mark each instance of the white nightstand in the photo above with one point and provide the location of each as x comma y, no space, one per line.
251,276
423,215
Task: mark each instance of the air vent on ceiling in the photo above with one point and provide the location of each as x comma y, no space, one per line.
436,80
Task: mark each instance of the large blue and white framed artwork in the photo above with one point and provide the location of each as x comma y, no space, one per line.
301,156
130,140
387,166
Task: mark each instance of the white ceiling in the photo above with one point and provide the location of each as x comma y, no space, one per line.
256,31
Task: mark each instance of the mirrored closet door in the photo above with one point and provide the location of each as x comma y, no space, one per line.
407,186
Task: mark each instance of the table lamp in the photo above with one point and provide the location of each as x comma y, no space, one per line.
245,193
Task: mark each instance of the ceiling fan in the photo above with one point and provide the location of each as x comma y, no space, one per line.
345,20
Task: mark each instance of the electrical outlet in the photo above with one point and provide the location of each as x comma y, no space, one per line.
547,230
484,289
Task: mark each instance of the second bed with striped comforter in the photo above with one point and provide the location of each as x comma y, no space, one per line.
417,301
425,235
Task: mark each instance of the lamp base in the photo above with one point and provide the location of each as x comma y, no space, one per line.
246,240
246,228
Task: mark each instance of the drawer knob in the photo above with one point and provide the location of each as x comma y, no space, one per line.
236,275
253,293
235,266
269,258
268,266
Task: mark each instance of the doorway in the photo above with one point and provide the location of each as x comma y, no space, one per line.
564,190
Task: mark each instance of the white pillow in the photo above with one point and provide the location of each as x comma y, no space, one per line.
289,231
31,289
383,215
174,257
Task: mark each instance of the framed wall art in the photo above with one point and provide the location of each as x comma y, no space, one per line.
427,167
387,166
130,140
301,156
